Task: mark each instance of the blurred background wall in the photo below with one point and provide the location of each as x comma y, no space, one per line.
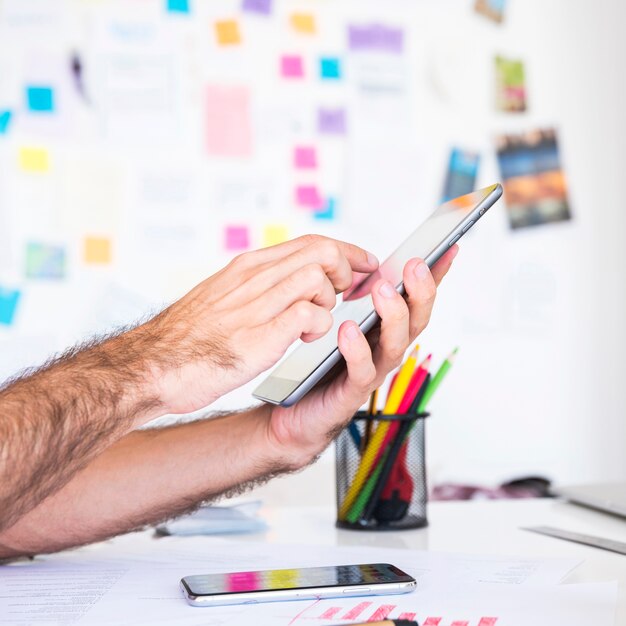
144,143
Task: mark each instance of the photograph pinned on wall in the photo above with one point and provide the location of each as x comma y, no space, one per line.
535,189
510,85
461,174
493,9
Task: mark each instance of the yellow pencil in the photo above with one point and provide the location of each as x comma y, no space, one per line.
369,456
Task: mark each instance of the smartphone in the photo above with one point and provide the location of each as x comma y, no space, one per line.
299,371
309,583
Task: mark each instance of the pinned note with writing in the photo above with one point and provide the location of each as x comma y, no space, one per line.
45,261
375,37
5,121
177,6
291,66
330,68
40,99
33,159
264,7
228,130
274,234
308,196
303,23
9,299
331,121
227,32
236,238
97,250
305,157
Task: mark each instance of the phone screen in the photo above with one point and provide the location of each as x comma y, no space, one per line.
445,226
304,578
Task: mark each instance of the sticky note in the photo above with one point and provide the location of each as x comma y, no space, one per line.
308,196
291,66
8,304
227,33
274,234
228,129
303,23
34,159
45,261
264,7
177,6
236,238
304,157
331,121
327,212
5,120
330,68
376,37
40,99
97,250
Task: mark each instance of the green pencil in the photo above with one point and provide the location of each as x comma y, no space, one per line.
436,381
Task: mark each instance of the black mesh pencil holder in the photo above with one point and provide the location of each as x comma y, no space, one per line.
381,472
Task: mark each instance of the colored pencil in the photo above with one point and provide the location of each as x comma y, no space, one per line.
436,381
371,452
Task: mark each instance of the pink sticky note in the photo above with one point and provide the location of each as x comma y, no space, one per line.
228,128
236,238
291,66
305,157
309,196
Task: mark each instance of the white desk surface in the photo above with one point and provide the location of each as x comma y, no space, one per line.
483,527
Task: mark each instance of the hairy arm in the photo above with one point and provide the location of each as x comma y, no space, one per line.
53,422
227,330
151,475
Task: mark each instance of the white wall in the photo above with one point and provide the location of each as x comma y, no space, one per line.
538,313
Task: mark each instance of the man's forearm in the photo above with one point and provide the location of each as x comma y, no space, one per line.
148,476
53,422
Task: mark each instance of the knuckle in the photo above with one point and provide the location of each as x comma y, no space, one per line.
241,260
329,251
303,312
309,239
314,275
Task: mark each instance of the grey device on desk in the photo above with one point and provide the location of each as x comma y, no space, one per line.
608,497
302,369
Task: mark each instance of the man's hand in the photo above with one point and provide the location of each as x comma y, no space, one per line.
239,322
299,433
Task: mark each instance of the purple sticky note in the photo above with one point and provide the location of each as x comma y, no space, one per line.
377,37
331,121
257,6
236,238
305,158
309,196
291,66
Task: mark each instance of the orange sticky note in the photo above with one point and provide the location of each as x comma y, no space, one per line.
304,23
34,159
274,234
227,32
97,250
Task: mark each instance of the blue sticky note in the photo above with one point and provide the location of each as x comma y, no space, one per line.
5,120
327,212
40,99
8,303
330,68
178,6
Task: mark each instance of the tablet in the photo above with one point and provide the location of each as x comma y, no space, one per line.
308,363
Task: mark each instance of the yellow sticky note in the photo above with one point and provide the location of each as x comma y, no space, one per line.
34,159
274,233
227,32
304,23
97,250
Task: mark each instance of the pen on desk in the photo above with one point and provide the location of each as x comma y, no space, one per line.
388,622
